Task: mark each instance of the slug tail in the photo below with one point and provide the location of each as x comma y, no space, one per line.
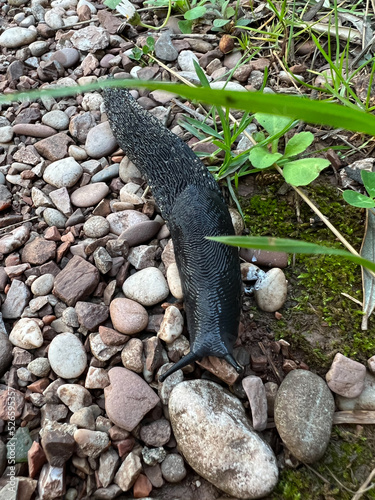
230,359
186,360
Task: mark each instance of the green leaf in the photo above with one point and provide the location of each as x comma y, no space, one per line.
298,144
358,199
195,13
262,158
218,23
289,246
112,4
302,172
150,41
136,53
369,182
201,75
300,108
242,22
185,27
230,11
272,123
145,49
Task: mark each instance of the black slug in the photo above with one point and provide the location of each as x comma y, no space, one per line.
192,205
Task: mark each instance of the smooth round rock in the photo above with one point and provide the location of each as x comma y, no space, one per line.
100,141
56,119
43,285
147,286
215,436
96,227
128,316
54,218
26,334
6,134
271,291
304,408
16,37
66,57
173,468
67,356
90,195
63,173
40,367
174,281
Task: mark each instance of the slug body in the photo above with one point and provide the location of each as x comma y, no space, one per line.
192,205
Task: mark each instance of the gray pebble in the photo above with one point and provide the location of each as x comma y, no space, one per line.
107,173
54,218
96,227
173,468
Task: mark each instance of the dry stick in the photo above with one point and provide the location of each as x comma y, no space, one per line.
5,229
282,65
269,359
365,486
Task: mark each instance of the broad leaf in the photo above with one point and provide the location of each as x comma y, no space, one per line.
185,27
272,123
218,23
289,246
298,144
369,182
150,42
302,172
112,4
262,158
195,13
368,281
358,199
230,11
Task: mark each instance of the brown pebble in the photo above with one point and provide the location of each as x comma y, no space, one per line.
226,44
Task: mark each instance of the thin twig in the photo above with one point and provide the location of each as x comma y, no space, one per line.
5,229
317,473
269,359
365,486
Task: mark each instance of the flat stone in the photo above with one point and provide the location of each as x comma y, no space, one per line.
56,119
121,221
365,401
112,337
128,472
58,444
16,300
100,141
142,487
63,173
38,251
26,334
54,148
128,317
346,377
304,410
91,315
132,355
91,443
148,287
90,195
14,239
36,459
67,57
90,39
256,395
76,281
207,420
128,398
33,130
67,356
61,200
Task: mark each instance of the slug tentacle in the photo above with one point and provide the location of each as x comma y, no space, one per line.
193,207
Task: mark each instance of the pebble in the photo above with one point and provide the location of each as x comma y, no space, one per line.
60,198
164,48
128,317
172,325
153,456
103,261
38,251
96,227
16,300
6,134
90,39
271,290
148,287
40,367
128,171
56,119
58,443
63,173
228,86
174,281
79,154
256,394
84,418
91,443
33,130
12,38
157,433
346,377
96,378
186,60
237,221
365,401
5,354
304,410
140,233
26,334
38,48
173,468
121,221
54,218
100,141
106,174
128,472
90,195
43,285
128,398
101,351
132,355
67,356
91,315
74,396
205,421
15,239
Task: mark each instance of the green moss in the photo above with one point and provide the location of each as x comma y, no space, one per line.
315,302
349,458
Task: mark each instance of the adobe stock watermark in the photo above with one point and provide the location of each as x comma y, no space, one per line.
11,445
